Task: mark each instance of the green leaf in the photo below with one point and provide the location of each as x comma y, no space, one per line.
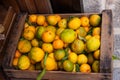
69,18
90,31
39,77
77,68
66,54
115,57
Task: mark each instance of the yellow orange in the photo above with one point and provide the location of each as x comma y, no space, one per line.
84,21
52,20
30,28
58,17
48,36
40,19
33,18
85,68
17,54
58,44
15,61
47,47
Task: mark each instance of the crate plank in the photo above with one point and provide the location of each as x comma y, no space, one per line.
13,39
106,42
30,4
58,75
22,5
7,23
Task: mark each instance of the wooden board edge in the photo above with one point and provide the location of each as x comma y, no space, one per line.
106,42
13,40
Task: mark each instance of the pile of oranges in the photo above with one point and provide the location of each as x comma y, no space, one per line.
72,44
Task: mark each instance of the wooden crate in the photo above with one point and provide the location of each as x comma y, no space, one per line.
106,50
6,21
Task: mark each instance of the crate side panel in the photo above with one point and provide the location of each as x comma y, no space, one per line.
106,42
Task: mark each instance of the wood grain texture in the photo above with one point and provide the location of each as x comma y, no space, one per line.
106,48
30,4
43,6
22,5
7,23
13,39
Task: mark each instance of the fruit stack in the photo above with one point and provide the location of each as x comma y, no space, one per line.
72,43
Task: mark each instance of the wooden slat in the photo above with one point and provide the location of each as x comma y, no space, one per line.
22,5
13,39
7,23
43,6
106,42
8,20
58,75
30,4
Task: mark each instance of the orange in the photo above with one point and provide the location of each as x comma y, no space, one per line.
58,17
86,29
51,55
59,30
15,61
28,34
74,23
88,37
58,44
52,20
95,20
47,47
24,62
24,46
33,18
17,54
97,36
51,28
85,68
31,28
72,57
36,54
68,66
96,31
96,54
84,21
35,42
51,64
48,36
62,23
59,54
82,59
40,19
40,31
